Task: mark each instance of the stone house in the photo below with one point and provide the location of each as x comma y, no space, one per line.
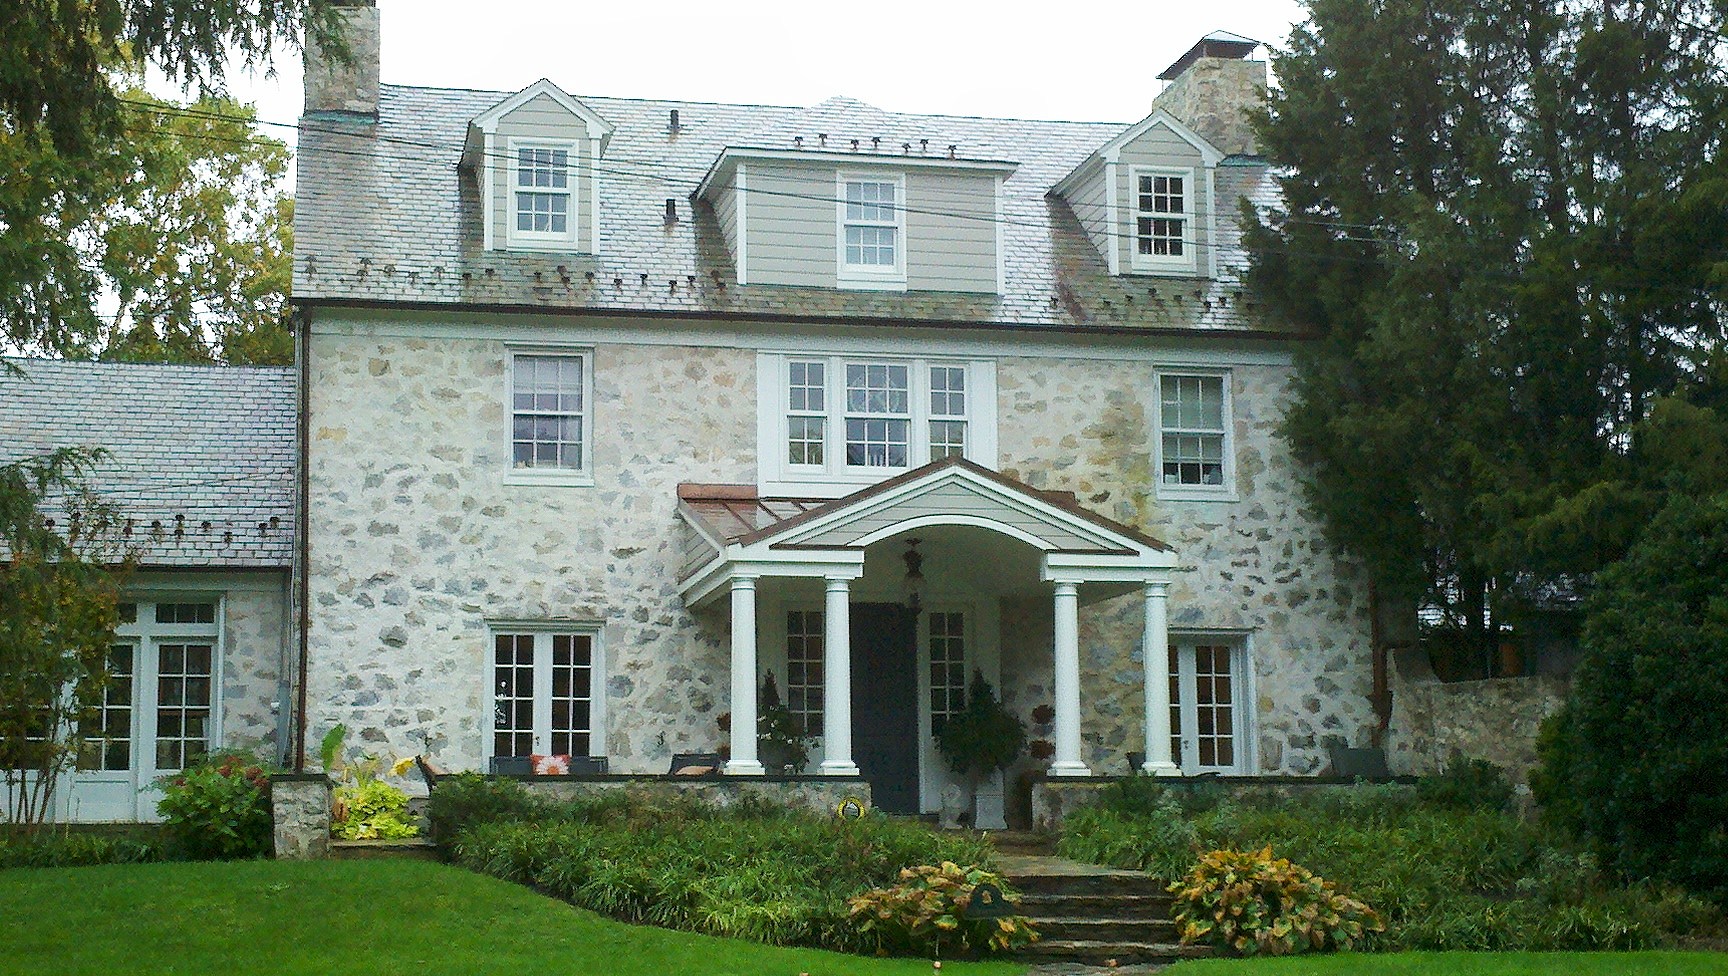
611,408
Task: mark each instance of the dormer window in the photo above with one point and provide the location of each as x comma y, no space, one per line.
872,227
544,195
1163,220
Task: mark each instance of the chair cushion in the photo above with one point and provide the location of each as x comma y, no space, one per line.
553,765
694,771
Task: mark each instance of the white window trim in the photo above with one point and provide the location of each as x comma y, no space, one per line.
144,634
1225,492
543,680
834,477
1243,703
528,240
870,277
582,477
1151,263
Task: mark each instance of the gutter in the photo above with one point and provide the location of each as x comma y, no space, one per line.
303,533
780,318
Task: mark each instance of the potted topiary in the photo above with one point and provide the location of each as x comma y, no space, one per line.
979,741
780,740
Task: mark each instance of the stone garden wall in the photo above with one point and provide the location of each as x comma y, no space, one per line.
1494,719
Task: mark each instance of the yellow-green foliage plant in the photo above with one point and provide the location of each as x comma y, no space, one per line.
365,807
927,913
1250,902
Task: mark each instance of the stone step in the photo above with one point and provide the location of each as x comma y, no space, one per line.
1111,930
1103,953
411,847
1101,906
1100,883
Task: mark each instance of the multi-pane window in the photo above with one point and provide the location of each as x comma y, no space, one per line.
1205,720
183,681
872,225
878,415
108,733
1193,436
848,417
548,411
543,694
947,411
947,636
1161,217
804,668
806,412
543,193
183,613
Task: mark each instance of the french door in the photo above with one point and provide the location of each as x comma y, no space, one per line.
158,714
1209,705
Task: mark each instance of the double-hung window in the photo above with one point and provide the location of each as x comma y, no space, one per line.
543,194
1209,705
858,419
1163,207
550,418
1194,435
872,232
544,684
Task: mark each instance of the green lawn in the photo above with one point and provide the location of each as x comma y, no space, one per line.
374,918
1470,964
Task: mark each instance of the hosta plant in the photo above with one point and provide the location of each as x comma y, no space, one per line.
927,913
1250,902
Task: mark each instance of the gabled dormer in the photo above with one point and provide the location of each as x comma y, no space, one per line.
1147,199
846,196
536,157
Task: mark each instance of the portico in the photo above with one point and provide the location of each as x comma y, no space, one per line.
979,535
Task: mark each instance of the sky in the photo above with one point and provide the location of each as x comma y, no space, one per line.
1079,60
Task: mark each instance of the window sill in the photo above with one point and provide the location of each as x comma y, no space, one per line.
551,245
1196,493
1165,270
543,478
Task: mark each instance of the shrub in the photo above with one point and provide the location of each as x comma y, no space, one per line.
1466,784
982,737
78,849
757,870
1637,761
218,809
1253,903
1161,840
927,912
467,799
371,810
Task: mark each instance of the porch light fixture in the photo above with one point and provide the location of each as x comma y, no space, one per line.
914,577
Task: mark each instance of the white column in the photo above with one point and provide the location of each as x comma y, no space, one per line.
1067,633
743,761
837,680
1156,651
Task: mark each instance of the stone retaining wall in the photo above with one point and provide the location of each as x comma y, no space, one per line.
1053,800
300,816
1495,719
819,794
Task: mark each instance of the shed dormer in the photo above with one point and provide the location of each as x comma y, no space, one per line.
536,155
1147,199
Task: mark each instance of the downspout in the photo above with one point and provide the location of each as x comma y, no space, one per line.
303,535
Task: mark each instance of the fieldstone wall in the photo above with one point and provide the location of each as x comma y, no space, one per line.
254,690
300,816
1495,719
417,542
819,794
1054,800
1255,568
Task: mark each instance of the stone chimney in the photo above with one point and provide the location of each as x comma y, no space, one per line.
1212,87
346,86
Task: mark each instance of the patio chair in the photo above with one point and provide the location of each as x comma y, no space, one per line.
512,766
693,760
1367,763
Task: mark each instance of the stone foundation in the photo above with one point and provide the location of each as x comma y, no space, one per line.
1494,719
818,794
300,816
1054,800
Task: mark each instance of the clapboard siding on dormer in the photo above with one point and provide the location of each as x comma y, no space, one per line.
1160,147
950,232
792,216
542,119
789,224
725,199
1090,201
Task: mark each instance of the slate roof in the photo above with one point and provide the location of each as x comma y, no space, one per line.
200,458
383,214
